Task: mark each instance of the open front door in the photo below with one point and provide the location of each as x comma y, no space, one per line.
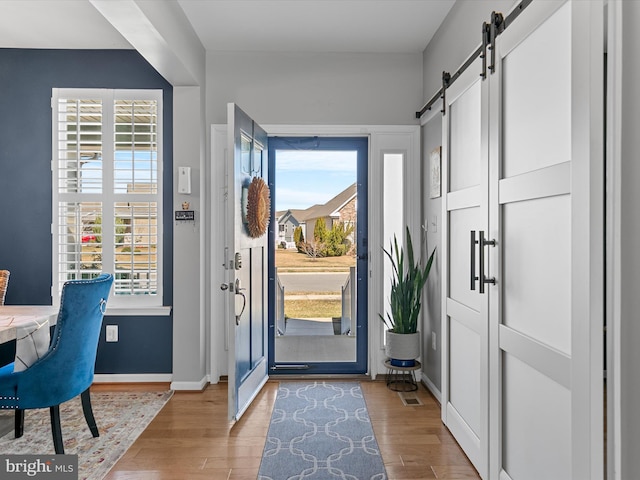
246,258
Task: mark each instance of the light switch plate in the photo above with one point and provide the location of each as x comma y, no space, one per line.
184,180
112,333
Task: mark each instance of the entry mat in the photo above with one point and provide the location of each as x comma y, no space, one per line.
320,431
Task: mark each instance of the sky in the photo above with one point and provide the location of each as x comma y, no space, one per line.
309,177
141,169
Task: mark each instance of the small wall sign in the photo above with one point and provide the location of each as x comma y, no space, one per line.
185,215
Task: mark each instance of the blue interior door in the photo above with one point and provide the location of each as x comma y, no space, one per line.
342,345
246,259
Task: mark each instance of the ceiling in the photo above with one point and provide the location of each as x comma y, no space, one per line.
363,26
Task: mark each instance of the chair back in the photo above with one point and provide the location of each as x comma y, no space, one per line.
66,370
4,282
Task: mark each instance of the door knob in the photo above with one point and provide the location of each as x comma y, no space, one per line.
224,286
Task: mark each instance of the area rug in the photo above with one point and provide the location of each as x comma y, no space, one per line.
321,430
121,417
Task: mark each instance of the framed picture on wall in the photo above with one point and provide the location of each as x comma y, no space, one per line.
434,171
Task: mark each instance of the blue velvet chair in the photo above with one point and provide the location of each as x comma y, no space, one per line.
66,370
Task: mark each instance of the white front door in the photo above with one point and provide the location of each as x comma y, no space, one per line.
465,328
546,215
246,259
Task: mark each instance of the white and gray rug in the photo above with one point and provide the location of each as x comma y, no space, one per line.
121,418
321,430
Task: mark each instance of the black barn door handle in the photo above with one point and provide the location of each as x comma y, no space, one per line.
483,279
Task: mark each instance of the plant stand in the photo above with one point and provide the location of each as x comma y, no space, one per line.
402,379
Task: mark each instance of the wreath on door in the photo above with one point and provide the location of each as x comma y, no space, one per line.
258,207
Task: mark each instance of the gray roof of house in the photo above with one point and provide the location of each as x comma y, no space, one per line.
297,214
319,211
333,205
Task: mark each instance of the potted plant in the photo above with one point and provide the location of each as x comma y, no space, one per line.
409,278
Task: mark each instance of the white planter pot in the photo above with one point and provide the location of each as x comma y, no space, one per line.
403,348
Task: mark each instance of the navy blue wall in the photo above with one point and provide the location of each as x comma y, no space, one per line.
26,80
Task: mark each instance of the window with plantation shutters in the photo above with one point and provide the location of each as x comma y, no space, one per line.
107,191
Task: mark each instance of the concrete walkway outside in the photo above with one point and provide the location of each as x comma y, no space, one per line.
309,326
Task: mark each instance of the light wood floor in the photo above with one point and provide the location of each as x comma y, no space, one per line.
192,439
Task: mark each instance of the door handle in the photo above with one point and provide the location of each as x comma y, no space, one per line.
483,279
239,291
474,242
244,304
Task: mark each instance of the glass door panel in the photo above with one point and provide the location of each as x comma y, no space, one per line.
318,271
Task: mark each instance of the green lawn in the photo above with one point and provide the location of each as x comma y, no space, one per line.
293,261
312,308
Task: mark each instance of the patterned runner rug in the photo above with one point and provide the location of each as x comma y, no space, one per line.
321,430
121,418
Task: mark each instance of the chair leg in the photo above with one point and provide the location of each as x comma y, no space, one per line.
56,429
19,423
88,413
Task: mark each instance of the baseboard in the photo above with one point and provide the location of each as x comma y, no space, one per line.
132,377
191,386
431,387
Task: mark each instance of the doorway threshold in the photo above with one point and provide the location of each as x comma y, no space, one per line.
274,376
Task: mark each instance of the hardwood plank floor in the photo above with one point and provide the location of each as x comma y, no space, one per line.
192,439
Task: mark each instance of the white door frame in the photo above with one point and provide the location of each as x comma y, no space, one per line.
614,46
382,139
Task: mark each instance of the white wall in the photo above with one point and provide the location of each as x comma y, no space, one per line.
316,88
189,326
431,221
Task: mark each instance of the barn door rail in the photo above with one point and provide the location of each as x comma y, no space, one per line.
490,31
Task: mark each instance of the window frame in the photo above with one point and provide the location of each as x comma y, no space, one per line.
108,197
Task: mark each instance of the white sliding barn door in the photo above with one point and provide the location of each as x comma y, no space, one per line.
522,388
545,211
465,329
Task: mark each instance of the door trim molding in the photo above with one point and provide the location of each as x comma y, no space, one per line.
613,231
382,138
